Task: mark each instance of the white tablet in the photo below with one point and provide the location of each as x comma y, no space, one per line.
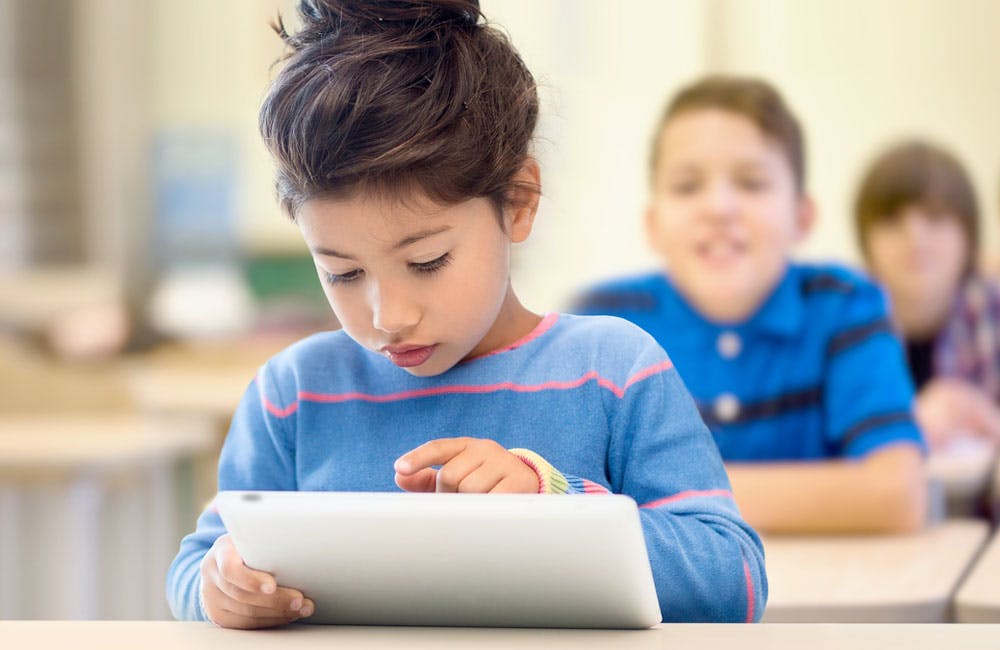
517,560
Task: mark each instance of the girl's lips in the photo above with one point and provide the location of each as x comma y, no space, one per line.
407,356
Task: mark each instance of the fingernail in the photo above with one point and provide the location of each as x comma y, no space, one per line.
296,604
402,466
306,610
267,587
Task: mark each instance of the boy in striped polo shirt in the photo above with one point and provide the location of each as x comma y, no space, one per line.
794,367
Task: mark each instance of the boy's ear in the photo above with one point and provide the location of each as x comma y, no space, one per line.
805,217
526,191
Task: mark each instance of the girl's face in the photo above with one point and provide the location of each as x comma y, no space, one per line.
920,256
725,211
426,286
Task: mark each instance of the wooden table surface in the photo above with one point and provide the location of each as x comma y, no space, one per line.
870,579
192,636
978,599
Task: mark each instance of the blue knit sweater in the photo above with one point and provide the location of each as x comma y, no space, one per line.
596,397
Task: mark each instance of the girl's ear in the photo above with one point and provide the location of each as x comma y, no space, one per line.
519,216
805,217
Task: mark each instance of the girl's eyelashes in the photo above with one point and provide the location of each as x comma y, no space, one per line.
419,267
434,265
343,278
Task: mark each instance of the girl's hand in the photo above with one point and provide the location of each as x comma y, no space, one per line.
466,465
235,595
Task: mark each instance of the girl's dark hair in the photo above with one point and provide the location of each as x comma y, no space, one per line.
754,99
389,96
917,173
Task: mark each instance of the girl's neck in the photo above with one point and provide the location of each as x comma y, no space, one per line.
513,323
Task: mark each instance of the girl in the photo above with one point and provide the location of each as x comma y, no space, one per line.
400,131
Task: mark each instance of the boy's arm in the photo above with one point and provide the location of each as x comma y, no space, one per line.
884,492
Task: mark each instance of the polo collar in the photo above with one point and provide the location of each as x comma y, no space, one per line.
781,314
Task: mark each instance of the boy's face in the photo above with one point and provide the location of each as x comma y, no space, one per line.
725,211
919,254
422,284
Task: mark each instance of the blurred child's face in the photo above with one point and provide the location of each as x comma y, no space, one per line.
919,255
422,284
725,211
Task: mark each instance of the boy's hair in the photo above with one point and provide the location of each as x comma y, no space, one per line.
917,173
393,96
754,99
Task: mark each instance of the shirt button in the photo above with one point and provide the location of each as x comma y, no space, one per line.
727,407
729,345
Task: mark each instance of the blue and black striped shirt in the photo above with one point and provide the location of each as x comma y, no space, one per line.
815,373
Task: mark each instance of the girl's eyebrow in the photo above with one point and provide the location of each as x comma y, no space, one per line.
402,243
329,252
423,234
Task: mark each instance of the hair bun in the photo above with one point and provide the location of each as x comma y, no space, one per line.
322,18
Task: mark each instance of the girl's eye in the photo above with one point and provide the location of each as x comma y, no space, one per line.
343,278
433,265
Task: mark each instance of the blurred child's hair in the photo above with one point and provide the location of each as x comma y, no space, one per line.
754,99
917,173
393,96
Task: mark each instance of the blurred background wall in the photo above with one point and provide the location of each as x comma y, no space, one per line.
151,75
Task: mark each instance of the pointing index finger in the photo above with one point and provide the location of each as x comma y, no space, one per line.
435,452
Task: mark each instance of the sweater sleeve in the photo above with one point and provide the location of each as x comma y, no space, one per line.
552,481
257,455
708,564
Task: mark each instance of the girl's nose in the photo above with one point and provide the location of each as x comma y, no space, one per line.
393,309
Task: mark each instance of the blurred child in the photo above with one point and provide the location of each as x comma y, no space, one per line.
400,131
794,367
918,226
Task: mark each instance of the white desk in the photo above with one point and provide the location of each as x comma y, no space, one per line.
870,579
90,513
194,636
32,298
206,379
978,599
202,382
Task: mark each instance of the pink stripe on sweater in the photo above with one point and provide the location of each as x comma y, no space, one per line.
543,326
750,596
331,398
589,487
277,411
687,494
663,366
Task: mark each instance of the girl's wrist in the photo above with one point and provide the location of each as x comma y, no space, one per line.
550,480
